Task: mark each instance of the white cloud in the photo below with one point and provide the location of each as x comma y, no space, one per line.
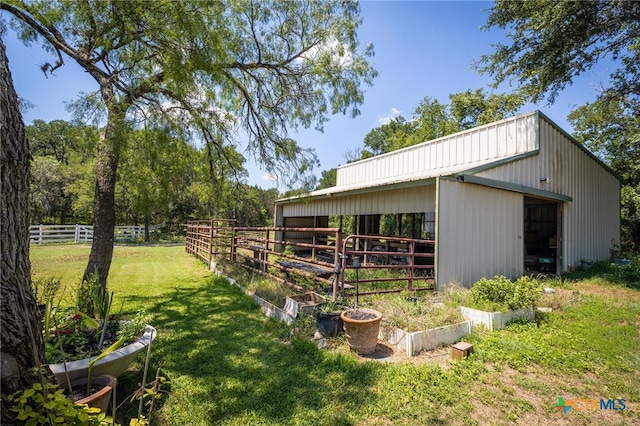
386,119
270,177
341,55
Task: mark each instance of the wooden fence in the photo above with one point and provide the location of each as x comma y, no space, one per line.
79,234
323,255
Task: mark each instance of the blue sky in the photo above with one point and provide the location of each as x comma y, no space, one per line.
423,48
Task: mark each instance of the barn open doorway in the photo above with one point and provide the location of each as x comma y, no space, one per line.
542,232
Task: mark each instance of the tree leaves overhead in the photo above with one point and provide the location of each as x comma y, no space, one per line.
260,68
551,42
223,73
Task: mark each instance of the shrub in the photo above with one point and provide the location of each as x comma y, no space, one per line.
501,291
48,405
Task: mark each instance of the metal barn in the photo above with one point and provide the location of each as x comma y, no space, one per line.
508,198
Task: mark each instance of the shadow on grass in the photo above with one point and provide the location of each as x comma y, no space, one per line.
227,365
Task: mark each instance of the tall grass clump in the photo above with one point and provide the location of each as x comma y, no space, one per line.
411,314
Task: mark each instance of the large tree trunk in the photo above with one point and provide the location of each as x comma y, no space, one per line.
20,322
104,205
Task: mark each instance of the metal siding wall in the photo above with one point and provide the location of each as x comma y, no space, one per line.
592,220
405,200
445,155
479,233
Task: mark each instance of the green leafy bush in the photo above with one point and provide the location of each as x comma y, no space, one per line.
500,292
40,405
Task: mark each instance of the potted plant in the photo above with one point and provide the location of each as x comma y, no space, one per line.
94,391
73,339
85,389
361,326
114,363
327,316
45,403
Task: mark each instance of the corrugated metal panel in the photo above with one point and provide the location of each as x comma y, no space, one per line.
592,219
406,200
444,156
478,233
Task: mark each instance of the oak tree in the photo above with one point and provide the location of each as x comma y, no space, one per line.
550,42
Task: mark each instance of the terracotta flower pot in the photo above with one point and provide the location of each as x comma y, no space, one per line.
101,398
361,328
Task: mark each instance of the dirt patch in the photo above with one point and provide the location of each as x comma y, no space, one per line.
560,299
387,353
439,356
618,294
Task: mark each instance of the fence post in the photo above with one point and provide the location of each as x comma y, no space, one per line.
210,243
76,234
412,262
232,253
40,234
265,254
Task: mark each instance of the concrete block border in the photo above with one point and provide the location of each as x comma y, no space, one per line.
267,308
415,342
495,320
412,343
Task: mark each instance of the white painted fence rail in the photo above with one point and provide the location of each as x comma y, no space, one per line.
79,234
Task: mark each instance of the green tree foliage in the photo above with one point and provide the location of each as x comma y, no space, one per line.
155,170
328,178
250,205
552,41
433,119
387,137
59,139
47,197
212,70
612,131
63,171
471,109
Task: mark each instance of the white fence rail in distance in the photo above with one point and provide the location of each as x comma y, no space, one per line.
79,234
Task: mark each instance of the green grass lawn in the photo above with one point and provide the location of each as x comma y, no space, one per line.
229,365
